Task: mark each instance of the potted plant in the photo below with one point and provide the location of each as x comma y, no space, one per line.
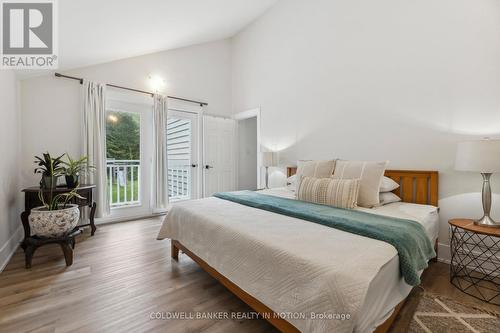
73,168
57,216
50,168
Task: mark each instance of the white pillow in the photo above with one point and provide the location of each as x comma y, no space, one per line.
370,173
291,183
388,197
388,185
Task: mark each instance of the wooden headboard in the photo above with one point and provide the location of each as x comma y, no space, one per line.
415,186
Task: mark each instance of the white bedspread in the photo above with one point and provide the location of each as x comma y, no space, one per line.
294,266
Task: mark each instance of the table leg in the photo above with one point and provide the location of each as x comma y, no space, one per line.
92,216
28,255
27,229
68,252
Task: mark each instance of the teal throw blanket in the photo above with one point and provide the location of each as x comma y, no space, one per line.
408,237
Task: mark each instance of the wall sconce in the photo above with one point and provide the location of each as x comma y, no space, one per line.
156,82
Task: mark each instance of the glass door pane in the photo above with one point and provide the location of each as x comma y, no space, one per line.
129,142
123,158
181,154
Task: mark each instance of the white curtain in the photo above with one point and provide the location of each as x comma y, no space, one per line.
94,141
160,172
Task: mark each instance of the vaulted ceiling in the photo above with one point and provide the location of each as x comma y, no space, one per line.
97,31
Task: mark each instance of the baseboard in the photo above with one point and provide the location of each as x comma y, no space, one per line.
444,253
10,247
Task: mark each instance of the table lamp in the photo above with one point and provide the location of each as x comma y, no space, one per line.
269,159
481,156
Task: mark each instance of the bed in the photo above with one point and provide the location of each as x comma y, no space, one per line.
282,266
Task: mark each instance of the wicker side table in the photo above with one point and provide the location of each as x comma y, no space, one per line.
475,260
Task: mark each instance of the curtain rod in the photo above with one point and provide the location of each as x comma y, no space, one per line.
132,89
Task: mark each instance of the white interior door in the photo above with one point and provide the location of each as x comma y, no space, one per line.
218,155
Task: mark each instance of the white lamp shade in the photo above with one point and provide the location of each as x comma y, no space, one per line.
269,159
480,155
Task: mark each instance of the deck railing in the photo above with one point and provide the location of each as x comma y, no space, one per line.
124,182
178,182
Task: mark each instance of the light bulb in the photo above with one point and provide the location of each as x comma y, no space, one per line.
156,82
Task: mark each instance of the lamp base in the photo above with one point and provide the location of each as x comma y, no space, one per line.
487,221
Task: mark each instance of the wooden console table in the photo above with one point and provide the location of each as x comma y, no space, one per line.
31,200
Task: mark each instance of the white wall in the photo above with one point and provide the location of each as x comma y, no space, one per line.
376,80
354,79
247,154
51,106
10,195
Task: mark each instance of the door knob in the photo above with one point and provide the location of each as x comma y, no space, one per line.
208,167
194,165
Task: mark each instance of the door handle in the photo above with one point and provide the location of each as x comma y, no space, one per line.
208,167
194,165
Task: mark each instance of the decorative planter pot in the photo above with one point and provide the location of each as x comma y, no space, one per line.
53,223
49,182
72,181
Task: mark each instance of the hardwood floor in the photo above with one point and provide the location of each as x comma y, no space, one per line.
119,278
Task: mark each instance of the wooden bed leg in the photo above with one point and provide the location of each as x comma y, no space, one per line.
174,250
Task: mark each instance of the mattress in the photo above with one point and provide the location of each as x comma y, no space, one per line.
300,272
388,289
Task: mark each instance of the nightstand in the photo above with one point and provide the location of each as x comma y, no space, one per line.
475,259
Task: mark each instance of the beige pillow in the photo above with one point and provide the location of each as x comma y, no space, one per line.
341,193
370,174
316,169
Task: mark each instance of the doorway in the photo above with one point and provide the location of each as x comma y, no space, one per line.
248,156
129,142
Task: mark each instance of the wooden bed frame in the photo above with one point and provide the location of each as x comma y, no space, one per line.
415,187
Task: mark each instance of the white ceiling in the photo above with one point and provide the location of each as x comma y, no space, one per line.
97,31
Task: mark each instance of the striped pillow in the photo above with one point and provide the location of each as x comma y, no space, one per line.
342,193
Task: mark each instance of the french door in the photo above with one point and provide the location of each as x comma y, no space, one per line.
129,141
129,145
183,155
